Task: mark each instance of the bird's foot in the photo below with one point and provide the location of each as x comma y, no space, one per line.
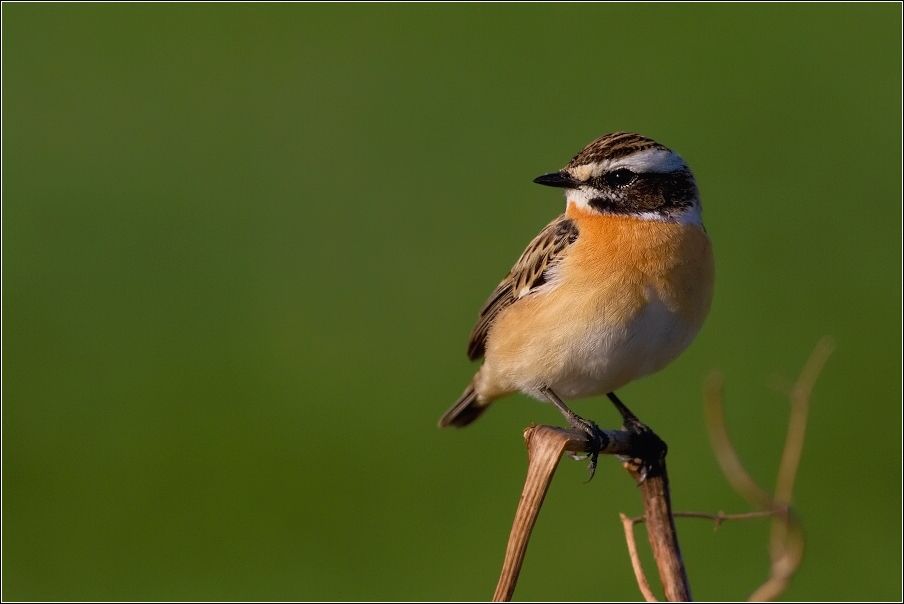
598,441
650,449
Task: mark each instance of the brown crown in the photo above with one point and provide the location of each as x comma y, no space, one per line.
613,146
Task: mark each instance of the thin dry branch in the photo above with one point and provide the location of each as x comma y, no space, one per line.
642,583
721,517
729,461
718,519
661,531
786,538
786,543
787,557
545,446
797,423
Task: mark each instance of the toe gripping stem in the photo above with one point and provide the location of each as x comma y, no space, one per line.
648,450
599,440
649,459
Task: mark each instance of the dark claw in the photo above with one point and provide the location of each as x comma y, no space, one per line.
598,441
639,466
653,447
592,467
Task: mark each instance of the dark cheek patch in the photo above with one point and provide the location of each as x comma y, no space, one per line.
604,204
649,193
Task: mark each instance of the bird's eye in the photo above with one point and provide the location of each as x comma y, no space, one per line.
621,177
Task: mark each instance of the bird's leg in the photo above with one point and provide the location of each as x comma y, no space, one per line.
652,448
631,422
598,439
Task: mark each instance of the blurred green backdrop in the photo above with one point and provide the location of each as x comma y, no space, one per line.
244,246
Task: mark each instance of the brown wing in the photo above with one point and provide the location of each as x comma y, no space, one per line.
529,273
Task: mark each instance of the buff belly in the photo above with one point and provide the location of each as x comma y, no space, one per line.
624,304
578,358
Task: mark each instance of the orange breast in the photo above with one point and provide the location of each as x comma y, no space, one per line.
628,298
640,258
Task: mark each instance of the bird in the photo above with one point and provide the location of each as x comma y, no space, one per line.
611,291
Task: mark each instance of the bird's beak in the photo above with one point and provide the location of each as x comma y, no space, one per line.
560,179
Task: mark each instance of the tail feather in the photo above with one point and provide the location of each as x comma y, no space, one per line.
465,410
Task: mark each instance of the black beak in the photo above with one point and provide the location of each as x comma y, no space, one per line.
561,179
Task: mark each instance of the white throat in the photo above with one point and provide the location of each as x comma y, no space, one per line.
692,214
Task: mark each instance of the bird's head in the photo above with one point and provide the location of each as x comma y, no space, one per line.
627,174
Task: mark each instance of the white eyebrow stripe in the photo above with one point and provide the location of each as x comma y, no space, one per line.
651,160
657,161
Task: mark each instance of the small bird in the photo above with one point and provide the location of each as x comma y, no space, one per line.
611,291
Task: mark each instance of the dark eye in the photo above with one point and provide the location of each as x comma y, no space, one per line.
620,178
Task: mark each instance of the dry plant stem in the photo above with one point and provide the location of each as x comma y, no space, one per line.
640,576
729,461
628,524
661,531
786,543
721,516
786,539
797,424
545,446
785,563
794,441
544,451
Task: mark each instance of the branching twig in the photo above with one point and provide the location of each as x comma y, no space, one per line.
661,532
721,517
545,446
628,524
786,543
738,477
786,536
786,539
718,519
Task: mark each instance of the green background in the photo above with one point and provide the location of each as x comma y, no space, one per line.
244,246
